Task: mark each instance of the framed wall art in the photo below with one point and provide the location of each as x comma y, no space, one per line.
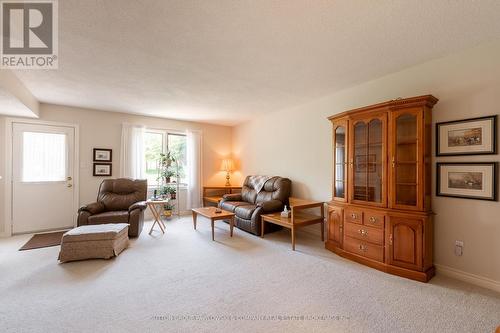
467,180
102,169
472,136
103,155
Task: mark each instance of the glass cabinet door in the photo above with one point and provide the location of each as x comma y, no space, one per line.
367,161
360,151
340,160
405,159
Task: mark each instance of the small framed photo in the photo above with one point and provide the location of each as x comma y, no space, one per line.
472,136
102,169
103,155
467,180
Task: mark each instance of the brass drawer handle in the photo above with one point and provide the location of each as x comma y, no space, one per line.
354,216
372,219
363,232
363,248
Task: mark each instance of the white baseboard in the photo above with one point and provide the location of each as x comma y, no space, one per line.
468,277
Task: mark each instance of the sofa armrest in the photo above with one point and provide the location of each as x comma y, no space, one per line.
271,206
138,205
232,197
93,208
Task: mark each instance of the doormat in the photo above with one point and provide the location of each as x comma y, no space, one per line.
43,240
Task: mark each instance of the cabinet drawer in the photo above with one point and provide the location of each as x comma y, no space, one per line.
361,232
353,216
365,249
373,219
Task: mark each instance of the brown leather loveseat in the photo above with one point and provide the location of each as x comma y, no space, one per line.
250,204
119,201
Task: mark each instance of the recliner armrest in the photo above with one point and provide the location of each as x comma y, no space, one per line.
232,197
271,206
93,208
138,205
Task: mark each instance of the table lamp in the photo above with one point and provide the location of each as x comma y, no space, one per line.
228,166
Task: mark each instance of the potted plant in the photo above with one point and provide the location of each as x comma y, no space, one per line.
167,209
169,191
166,170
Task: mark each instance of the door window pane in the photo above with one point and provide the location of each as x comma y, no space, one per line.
44,157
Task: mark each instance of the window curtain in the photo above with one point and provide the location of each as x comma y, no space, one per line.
193,152
132,159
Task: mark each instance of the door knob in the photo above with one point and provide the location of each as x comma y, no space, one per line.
70,185
69,178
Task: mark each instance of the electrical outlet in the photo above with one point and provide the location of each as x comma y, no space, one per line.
459,248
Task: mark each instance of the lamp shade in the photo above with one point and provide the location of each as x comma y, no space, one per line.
227,165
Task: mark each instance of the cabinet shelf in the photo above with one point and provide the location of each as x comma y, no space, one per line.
364,145
406,142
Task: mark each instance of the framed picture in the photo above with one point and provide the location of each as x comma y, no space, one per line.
467,180
366,163
103,155
102,169
472,136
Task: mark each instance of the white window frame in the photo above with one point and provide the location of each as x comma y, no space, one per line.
165,133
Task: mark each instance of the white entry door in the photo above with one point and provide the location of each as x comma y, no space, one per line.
42,177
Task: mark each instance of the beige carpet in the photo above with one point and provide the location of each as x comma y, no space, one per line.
184,282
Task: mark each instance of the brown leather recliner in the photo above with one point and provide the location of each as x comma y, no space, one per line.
119,201
250,205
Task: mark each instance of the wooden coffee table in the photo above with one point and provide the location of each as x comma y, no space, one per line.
209,213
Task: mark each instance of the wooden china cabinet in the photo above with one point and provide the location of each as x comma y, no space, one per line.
380,214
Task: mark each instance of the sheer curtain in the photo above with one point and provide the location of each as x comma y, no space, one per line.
132,159
194,174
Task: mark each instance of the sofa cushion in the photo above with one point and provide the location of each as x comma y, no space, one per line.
110,217
231,205
245,212
96,232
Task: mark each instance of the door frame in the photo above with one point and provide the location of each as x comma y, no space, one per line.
9,124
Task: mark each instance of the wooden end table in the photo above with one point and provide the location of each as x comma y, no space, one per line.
156,207
297,218
209,213
221,190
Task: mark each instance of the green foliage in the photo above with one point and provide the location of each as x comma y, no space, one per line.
168,206
167,190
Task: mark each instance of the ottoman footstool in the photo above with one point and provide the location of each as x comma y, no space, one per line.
102,241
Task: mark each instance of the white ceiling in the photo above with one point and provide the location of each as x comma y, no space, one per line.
11,105
226,61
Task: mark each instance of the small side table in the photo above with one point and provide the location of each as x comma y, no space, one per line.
216,197
156,207
297,218
209,213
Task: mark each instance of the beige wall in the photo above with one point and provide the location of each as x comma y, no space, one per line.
297,143
103,130
2,173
